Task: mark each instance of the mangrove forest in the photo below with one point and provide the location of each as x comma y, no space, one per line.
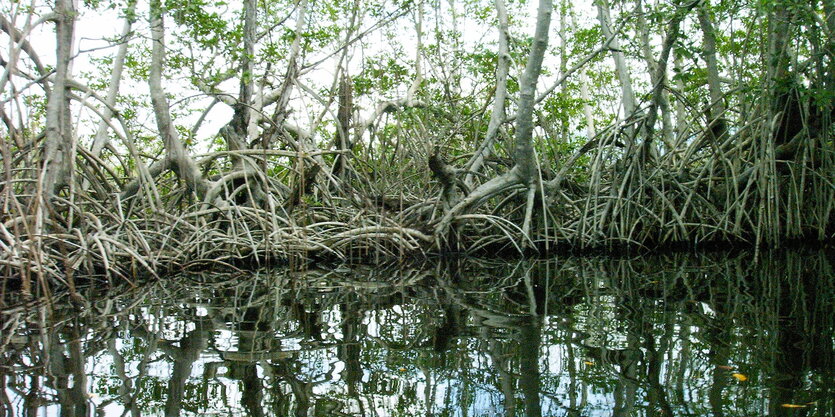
440,208
145,137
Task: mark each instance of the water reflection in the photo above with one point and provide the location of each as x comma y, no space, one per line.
713,334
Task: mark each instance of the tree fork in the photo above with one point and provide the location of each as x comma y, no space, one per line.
524,170
181,162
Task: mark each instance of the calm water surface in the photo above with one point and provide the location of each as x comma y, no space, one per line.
676,335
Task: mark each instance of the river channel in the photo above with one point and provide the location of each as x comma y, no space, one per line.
710,334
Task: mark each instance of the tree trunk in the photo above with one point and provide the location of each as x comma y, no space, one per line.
657,77
786,107
660,77
343,116
282,95
627,94
523,152
682,126
584,95
59,149
102,138
716,108
176,155
497,116
524,171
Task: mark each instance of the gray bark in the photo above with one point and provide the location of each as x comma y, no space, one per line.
681,111
281,97
523,152
58,152
716,109
497,116
778,35
584,95
101,139
524,171
180,161
661,73
236,132
622,70
247,63
343,118
657,77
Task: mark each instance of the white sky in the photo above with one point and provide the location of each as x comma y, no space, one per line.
93,28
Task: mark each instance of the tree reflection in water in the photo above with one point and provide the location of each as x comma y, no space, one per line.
713,334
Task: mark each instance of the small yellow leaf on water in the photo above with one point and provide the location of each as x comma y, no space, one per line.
740,377
792,406
402,369
589,363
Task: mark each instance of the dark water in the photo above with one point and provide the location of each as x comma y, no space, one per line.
678,335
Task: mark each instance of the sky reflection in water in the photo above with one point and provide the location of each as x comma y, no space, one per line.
710,334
